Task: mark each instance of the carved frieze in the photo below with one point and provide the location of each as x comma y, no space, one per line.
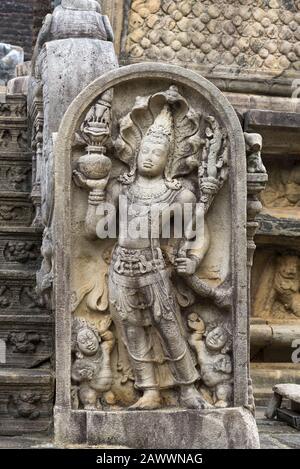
13,108
15,176
14,212
18,295
21,252
26,400
13,140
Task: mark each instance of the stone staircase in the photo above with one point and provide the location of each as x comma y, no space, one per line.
26,326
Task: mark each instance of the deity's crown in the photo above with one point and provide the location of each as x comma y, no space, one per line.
162,127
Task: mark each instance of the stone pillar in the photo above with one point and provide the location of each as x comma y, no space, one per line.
73,48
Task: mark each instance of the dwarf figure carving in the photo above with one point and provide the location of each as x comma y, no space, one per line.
211,346
91,370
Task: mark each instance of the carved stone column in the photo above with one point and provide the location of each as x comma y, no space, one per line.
256,182
73,48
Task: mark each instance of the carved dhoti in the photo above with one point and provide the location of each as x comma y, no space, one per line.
141,298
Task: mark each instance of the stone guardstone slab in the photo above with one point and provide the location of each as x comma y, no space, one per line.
152,332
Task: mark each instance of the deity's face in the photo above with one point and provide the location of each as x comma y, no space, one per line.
153,157
216,339
87,341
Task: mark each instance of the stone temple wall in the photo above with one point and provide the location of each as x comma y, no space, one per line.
259,35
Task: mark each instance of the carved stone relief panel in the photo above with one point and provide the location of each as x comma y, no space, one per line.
276,285
283,188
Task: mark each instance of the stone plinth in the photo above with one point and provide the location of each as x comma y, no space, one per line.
232,428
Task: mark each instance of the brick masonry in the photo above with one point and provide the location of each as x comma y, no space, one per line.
20,21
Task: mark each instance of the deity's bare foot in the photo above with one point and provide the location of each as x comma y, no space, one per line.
192,399
149,401
221,404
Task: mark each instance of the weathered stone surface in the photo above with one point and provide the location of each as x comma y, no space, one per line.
218,39
289,391
18,294
171,429
279,227
280,130
130,82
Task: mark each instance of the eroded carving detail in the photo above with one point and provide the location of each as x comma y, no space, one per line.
21,251
283,189
5,297
23,342
25,405
29,298
278,295
212,344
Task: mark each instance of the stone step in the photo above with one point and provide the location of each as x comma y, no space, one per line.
12,107
15,174
26,401
18,295
16,209
20,248
26,341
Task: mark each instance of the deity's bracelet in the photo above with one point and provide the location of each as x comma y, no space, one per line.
96,196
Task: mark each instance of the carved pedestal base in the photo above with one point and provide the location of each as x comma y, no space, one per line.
231,428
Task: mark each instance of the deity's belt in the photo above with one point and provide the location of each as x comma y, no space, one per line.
139,281
137,262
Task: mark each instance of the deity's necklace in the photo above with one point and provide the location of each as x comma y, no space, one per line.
144,193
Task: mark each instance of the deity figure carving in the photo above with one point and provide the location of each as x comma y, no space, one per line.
212,344
91,369
278,295
160,141
171,166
